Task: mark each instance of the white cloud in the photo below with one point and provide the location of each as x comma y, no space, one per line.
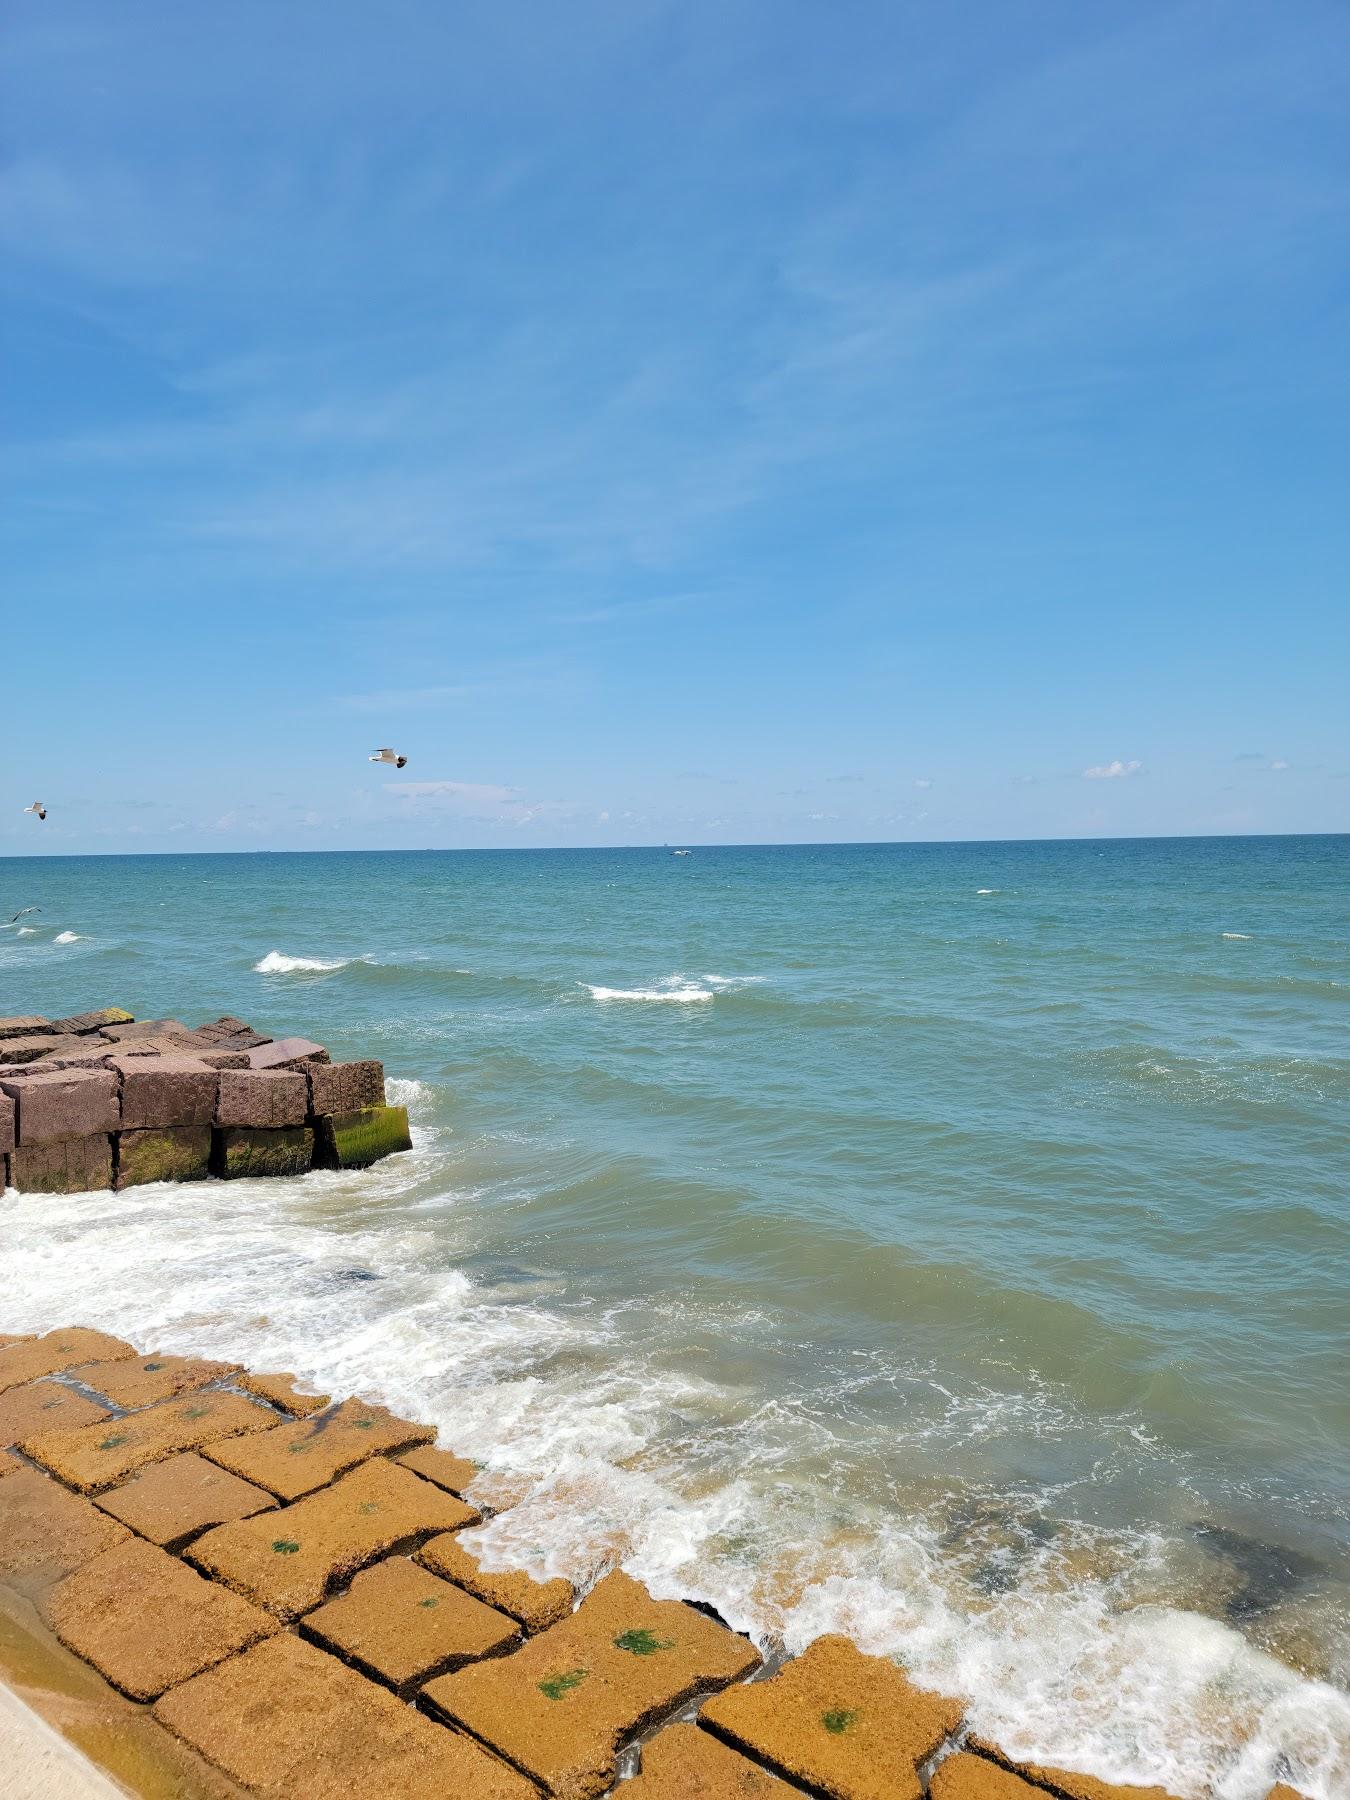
482,793
919,782
1112,771
1279,764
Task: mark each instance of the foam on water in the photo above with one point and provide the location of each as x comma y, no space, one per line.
67,937
621,1459
1241,936
682,989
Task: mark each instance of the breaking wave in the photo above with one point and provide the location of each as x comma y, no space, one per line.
682,989
275,963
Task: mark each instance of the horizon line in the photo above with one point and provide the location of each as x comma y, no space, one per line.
1174,837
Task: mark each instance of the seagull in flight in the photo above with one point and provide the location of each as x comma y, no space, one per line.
390,756
23,913
38,808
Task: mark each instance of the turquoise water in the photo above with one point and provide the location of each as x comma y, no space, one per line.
946,1244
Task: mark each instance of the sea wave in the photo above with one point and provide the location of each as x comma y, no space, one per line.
67,937
1241,936
277,963
683,990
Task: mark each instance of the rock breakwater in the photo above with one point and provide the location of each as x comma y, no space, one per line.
102,1100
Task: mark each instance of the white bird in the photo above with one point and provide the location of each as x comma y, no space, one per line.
38,808
390,756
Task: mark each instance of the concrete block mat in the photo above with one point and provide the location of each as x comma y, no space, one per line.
288,1721
851,1726
99,1456
179,1498
133,1381
45,1532
147,1622
290,1560
305,1454
28,1358
561,1707
281,1390
684,1763
402,1625
537,1604
453,1473
44,1406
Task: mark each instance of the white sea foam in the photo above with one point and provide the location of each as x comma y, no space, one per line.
276,963
67,937
986,890
1245,936
674,988
28,931
682,989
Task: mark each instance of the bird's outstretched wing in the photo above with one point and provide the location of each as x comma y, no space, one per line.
23,913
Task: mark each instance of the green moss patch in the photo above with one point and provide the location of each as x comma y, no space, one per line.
354,1140
642,1642
555,1686
838,1720
285,1546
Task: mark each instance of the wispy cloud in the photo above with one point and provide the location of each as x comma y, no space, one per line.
1113,771
472,792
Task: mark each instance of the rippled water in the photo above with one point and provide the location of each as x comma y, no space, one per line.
946,1244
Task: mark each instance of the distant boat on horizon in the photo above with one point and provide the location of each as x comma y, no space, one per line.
681,853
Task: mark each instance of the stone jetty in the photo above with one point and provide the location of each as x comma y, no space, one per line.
101,1100
278,1585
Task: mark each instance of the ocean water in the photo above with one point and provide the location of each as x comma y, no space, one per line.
944,1244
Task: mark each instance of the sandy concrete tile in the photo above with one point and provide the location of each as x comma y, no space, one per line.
453,1473
289,1722
299,1457
147,1622
98,1456
44,1406
850,1725
1077,1786
562,1705
1072,1784
28,1358
289,1560
402,1624
46,1532
281,1390
9,1337
134,1381
176,1499
537,1604
684,1763
967,1777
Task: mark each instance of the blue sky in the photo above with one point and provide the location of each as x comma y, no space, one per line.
673,421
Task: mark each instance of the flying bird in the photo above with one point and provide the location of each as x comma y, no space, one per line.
390,756
38,808
24,913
